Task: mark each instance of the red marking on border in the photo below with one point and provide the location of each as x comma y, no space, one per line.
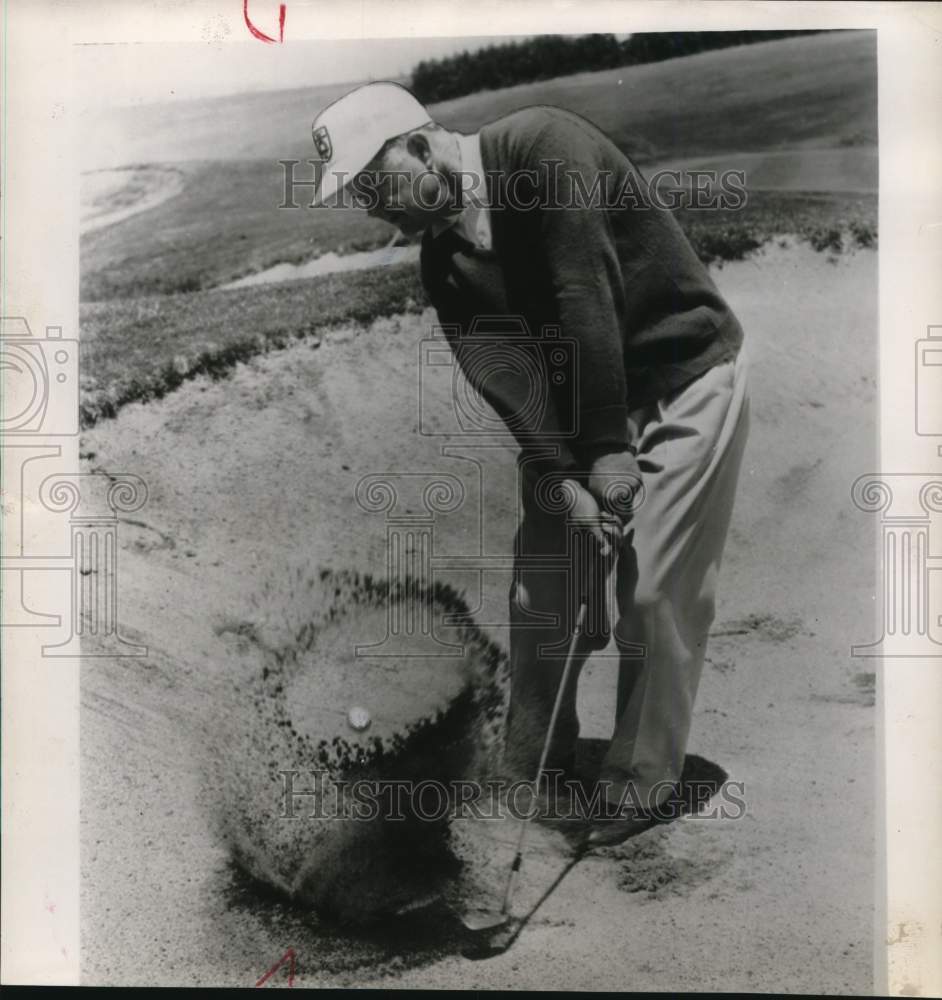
288,957
260,35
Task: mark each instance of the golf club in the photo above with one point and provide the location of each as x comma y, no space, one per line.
480,922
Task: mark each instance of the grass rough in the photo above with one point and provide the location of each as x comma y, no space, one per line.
133,350
136,349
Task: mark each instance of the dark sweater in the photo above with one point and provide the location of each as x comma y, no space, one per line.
617,277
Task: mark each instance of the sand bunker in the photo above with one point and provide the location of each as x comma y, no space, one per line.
260,468
109,196
329,263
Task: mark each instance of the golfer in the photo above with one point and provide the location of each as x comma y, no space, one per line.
539,215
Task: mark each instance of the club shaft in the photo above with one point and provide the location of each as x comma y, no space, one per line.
547,743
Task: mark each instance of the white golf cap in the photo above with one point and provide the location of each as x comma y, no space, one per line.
350,132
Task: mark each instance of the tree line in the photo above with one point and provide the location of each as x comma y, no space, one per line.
547,56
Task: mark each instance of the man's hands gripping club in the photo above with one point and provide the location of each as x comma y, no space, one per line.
606,503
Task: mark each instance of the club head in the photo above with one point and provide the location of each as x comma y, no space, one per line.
490,945
483,921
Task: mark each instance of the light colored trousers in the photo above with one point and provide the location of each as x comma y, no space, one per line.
690,446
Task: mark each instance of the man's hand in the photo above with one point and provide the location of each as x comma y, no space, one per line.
607,535
584,510
615,484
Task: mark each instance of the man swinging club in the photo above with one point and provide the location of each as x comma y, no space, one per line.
512,226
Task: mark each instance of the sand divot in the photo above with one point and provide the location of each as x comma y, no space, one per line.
308,713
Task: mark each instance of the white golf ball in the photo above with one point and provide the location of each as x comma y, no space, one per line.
359,718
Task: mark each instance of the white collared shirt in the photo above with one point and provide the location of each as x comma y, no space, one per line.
473,222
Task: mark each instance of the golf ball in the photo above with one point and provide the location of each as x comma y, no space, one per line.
359,718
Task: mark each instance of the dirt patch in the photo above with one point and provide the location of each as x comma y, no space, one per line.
866,684
794,481
863,691
670,862
767,627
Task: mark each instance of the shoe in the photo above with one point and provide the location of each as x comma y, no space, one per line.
609,832
615,826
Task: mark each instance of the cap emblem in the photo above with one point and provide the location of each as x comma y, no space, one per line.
322,142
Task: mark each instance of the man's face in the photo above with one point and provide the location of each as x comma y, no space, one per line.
401,186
